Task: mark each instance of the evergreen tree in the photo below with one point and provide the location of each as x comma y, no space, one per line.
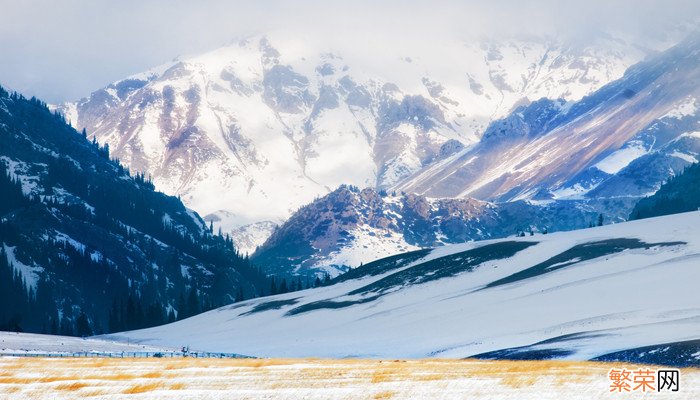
182,311
283,286
273,286
193,304
82,326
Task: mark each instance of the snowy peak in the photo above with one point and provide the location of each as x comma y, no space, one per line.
594,146
271,122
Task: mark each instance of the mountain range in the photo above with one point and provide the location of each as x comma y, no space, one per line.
349,226
476,208
271,122
273,127
621,140
550,165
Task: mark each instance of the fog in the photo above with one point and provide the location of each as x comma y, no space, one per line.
63,50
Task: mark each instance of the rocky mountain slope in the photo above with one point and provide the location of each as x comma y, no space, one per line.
624,139
87,247
350,226
250,132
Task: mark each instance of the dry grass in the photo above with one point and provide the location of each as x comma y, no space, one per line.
67,379
146,387
260,362
92,393
151,375
71,386
386,374
46,379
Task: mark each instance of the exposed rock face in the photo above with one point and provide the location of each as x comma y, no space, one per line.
350,226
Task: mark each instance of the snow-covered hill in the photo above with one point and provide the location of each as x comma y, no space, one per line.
250,132
575,295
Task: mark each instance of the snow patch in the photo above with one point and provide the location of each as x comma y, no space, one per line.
247,238
686,108
62,237
618,160
29,273
686,157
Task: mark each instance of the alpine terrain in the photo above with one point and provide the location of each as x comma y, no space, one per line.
550,165
248,133
601,292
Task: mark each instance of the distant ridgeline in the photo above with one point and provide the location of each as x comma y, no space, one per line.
679,194
85,247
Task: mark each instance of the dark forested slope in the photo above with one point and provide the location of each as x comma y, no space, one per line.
87,247
679,194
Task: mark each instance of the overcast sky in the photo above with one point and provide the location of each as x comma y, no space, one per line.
62,50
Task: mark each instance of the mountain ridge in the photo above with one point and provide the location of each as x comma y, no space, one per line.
351,226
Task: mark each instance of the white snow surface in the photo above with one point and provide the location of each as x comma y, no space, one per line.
369,244
626,300
618,160
32,343
247,238
688,107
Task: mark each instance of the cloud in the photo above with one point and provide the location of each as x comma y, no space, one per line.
63,50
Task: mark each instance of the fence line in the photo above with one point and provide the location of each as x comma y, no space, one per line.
127,354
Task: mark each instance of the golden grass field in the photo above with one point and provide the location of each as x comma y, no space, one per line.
152,378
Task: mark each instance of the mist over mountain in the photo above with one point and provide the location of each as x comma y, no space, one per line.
133,36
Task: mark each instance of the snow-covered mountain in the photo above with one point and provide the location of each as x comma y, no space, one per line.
574,295
250,132
550,164
624,139
350,226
